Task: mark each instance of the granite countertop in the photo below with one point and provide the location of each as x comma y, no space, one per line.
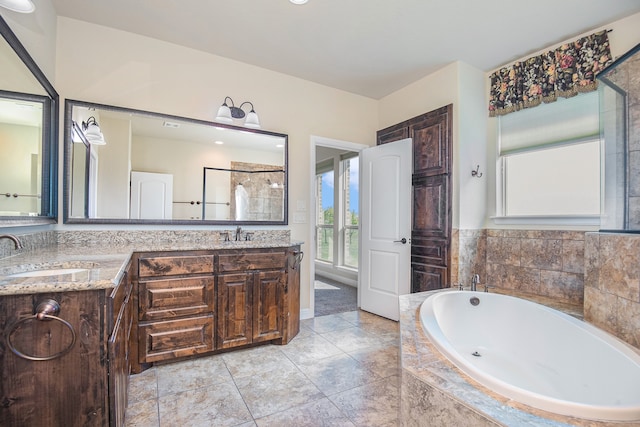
102,265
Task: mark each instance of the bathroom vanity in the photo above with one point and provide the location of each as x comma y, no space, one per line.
198,302
121,312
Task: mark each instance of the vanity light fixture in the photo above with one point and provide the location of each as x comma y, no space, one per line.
298,1
21,6
92,132
227,113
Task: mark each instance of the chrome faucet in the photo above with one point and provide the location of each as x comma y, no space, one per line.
475,279
13,238
238,233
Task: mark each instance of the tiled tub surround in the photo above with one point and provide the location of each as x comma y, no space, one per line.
538,262
612,284
433,389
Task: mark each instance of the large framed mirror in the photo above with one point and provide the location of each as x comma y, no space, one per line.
28,137
126,166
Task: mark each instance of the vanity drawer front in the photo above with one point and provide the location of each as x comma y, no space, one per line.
175,338
159,266
169,298
252,261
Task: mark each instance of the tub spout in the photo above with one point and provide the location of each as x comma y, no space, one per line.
475,279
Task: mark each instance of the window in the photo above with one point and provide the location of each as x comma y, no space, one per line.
351,211
337,223
324,222
549,160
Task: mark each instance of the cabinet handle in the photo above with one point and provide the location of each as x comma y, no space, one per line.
298,256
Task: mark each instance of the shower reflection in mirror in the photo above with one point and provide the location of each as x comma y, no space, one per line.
246,192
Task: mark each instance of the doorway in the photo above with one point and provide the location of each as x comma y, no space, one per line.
335,228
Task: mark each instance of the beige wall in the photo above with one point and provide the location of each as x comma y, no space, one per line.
463,86
37,32
107,66
114,168
20,146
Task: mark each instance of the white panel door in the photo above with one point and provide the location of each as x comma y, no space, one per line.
151,195
385,256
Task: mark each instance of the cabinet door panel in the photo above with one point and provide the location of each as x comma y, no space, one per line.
162,299
430,148
175,338
393,133
427,277
268,305
234,310
119,368
431,197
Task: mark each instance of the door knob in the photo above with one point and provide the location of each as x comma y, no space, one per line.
403,241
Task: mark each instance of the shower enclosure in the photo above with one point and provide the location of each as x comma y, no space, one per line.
619,93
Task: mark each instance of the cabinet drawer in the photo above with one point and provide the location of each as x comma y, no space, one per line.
169,298
252,261
175,338
158,266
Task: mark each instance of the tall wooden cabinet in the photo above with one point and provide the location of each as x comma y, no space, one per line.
432,137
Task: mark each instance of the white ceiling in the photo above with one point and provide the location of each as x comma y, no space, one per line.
367,47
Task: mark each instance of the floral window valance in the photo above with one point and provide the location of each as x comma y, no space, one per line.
563,72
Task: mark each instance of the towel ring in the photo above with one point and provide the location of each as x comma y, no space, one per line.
46,310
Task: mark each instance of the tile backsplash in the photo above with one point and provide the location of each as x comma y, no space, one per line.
540,262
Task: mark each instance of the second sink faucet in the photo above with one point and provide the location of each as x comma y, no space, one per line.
475,279
238,233
14,239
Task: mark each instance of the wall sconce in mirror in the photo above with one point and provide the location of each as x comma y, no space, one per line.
20,6
476,173
92,132
227,113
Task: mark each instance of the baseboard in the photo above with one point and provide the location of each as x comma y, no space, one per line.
306,313
338,278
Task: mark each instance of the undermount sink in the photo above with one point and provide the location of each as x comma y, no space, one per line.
49,272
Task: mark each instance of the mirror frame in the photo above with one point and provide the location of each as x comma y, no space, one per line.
68,152
49,198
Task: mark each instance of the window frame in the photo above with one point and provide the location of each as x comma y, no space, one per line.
503,218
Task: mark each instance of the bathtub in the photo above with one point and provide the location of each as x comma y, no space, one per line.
535,355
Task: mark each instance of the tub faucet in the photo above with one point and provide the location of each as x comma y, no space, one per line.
238,233
14,239
475,279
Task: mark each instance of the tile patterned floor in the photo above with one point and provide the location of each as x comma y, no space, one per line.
341,370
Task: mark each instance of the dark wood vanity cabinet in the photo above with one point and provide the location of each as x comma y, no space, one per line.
251,297
199,302
84,386
175,305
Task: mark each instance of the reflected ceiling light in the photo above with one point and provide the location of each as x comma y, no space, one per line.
92,132
218,142
21,6
227,113
298,1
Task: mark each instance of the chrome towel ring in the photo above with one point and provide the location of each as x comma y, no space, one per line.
46,310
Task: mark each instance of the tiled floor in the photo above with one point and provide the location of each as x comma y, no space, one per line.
341,370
